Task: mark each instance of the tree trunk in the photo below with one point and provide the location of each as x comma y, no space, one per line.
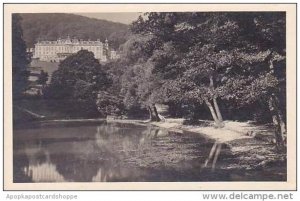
276,121
217,110
156,117
280,117
213,114
282,125
150,113
153,113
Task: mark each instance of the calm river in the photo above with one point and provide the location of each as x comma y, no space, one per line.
114,152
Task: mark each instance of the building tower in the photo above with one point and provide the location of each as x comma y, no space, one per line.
106,44
106,49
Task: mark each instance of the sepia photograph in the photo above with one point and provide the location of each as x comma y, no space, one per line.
117,99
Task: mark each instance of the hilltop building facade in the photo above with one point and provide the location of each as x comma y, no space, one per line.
55,51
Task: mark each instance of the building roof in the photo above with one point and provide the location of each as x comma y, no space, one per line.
69,41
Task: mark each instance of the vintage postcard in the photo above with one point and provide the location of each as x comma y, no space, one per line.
150,97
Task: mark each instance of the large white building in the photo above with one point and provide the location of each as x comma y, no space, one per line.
55,51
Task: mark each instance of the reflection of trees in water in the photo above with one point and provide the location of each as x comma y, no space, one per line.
75,169
126,142
45,172
213,155
117,142
150,148
20,162
98,159
34,165
113,152
101,159
115,146
82,160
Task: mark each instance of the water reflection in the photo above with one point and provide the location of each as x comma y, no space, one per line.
213,155
34,165
113,152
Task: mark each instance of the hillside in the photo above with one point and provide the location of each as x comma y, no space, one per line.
50,26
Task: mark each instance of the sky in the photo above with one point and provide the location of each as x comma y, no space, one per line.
125,18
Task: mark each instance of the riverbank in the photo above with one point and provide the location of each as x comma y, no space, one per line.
232,130
253,145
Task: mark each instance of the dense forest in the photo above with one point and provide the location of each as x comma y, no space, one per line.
50,26
202,65
215,66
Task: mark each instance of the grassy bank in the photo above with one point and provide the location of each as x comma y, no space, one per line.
40,109
251,144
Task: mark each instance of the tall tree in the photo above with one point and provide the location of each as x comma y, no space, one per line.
265,67
189,43
139,85
201,54
78,80
20,59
